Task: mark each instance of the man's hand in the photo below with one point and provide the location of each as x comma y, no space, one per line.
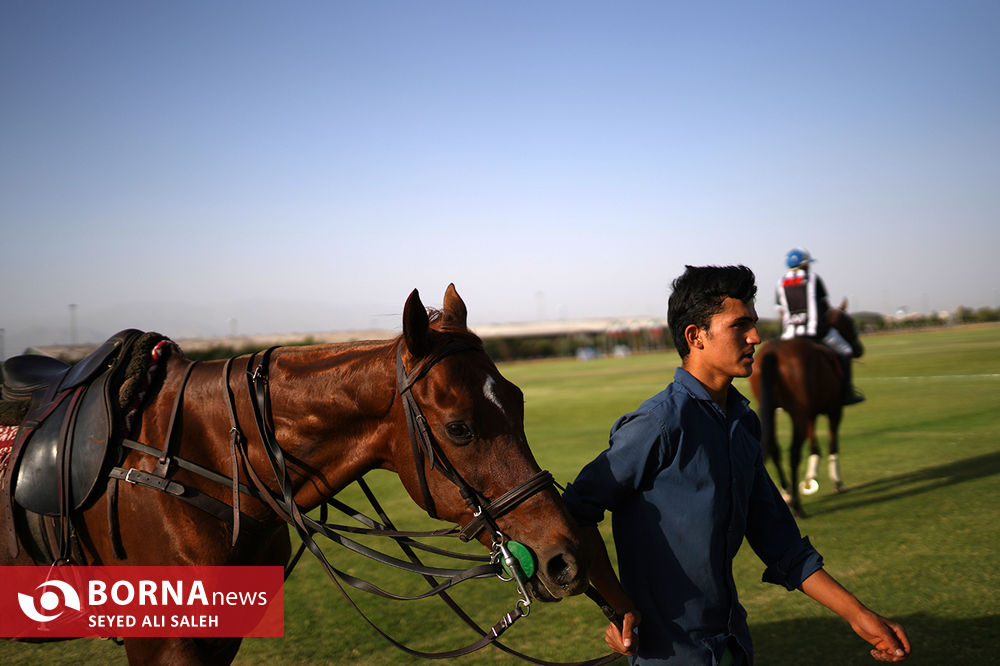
888,637
623,642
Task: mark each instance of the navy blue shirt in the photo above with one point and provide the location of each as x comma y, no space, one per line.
685,483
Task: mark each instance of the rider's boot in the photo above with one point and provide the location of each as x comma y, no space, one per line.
851,396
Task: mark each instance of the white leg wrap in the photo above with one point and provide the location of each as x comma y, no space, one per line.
808,485
812,469
834,468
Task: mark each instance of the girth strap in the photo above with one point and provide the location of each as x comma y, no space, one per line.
137,476
192,496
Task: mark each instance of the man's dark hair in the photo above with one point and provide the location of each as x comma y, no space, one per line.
700,292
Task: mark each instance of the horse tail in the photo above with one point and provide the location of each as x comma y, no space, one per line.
768,386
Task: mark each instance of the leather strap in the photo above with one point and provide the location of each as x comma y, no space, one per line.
114,529
506,503
424,445
63,445
163,466
192,496
154,481
236,440
422,442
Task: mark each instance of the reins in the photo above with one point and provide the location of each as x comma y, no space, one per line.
424,447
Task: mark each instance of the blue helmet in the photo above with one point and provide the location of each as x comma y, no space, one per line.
797,257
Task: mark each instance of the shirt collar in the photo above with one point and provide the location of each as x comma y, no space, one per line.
736,406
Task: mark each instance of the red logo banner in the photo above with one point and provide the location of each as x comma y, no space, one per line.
141,601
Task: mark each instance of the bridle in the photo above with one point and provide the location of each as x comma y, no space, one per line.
424,447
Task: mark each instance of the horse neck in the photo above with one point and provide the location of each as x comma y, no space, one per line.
838,320
331,409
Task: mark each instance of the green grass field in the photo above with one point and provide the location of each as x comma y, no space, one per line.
916,537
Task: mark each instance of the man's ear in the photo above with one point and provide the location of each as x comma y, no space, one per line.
692,335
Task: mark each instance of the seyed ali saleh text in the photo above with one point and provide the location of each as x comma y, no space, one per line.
153,621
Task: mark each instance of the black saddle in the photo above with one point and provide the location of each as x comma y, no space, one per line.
23,375
69,425
26,375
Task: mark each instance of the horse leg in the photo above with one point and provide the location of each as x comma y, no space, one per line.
799,431
774,451
809,485
834,458
766,396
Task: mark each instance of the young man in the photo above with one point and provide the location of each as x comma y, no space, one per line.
685,482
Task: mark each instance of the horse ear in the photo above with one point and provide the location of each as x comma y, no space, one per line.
843,305
454,307
415,324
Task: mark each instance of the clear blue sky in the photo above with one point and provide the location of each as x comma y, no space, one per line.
199,167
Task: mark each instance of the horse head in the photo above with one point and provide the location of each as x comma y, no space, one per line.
844,323
467,448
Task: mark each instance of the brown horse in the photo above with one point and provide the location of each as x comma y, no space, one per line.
337,411
805,379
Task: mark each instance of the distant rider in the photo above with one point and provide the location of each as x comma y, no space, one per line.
802,302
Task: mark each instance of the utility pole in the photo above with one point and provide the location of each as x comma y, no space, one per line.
72,323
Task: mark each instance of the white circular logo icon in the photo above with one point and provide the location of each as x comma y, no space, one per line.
49,601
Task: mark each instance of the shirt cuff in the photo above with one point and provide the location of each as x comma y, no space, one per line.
795,566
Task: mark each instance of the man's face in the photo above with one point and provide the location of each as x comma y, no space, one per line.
731,338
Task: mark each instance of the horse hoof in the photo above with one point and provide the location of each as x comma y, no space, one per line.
809,487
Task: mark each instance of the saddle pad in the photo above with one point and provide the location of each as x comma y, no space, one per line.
12,412
7,436
142,376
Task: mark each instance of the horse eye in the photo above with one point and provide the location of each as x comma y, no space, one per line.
459,432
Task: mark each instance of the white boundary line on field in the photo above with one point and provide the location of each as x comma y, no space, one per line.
930,377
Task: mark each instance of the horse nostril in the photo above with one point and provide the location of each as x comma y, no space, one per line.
562,569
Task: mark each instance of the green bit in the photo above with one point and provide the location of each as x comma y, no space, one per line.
525,558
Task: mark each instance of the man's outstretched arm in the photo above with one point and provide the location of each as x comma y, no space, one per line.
888,637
